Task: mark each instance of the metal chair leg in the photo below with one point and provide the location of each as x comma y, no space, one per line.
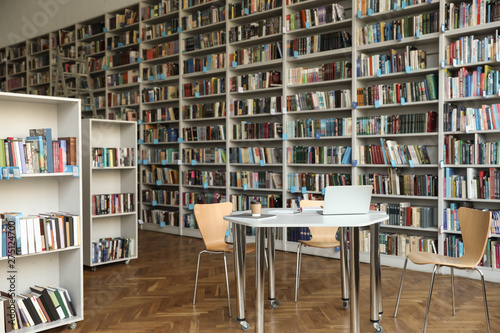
196,280
227,285
453,289
485,301
297,271
430,296
400,287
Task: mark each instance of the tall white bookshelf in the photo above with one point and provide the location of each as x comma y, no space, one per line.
34,194
105,176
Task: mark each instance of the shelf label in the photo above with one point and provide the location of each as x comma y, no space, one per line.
240,89
245,187
179,140
17,172
197,95
318,136
443,28
296,54
139,121
155,141
205,185
191,206
403,4
408,69
284,137
120,44
1,173
283,109
377,104
154,203
370,12
139,40
308,25
284,30
158,76
293,189
411,163
163,34
205,69
151,78
354,163
158,182
235,64
193,162
429,1
441,164
359,14
393,163
323,191
86,36
399,36
145,162
105,29
273,111
162,224
403,101
304,190
138,162
467,129
262,163
443,64
162,76
179,162
441,229
140,141
484,93
179,29
76,171
139,60
246,11
354,105
163,162
454,62
395,5
105,67
5,172
418,34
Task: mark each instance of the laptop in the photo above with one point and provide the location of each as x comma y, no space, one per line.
346,200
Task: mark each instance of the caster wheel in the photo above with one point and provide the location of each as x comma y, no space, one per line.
94,269
378,328
275,304
245,326
72,326
345,304
127,262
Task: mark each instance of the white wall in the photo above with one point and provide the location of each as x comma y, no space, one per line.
25,19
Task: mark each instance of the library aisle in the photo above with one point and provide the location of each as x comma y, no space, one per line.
154,294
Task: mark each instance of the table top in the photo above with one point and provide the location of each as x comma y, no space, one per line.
307,218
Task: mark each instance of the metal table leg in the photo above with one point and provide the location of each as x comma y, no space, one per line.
240,273
344,267
375,283
354,281
271,256
259,279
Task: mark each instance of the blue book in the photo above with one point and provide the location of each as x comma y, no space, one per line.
46,134
14,217
478,81
347,156
382,142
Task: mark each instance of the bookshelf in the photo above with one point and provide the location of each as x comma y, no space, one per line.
197,67
110,191
56,192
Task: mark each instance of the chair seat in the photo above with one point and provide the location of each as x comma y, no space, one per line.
424,258
323,245
229,248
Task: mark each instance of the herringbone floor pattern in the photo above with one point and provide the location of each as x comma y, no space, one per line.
154,294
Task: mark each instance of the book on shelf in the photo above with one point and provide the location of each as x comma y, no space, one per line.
157,216
318,43
112,248
204,178
205,110
204,17
324,72
204,133
168,156
316,181
243,8
242,201
204,155
160,197
318,128
396,183
313,17
116,203
397,124
260,28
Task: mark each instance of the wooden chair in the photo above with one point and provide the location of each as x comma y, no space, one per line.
475,226
322,237
210,220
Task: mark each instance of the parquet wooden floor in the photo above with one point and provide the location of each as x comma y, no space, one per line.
154,294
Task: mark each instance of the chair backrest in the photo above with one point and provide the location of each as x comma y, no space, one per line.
210,220
320,234
475,226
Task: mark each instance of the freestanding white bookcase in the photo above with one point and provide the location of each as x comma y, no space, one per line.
40,193
102,179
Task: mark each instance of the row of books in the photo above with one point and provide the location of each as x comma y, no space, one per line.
390,152
248,7
159,216
160,114
160,156
319,155
39,62
117,79
491,256
256,54
203,41
88,30
212,86
205,110
483,81
404,214
109,249
15,82
255,81
254,180
318,128
160,175
103,157
411,59
97,82
248,130
160,71
39,78
204,133
325,72
161,50
263,105
16,68
319,100
457,151
307,18
316,182
123,39
193,198
206,63
469,49
408,26
128,17
296,234
29,234
204,155
38,153
461,15
253,30
318,43
464,118
96,64
453,246
425,122
399,244
255,155
93,47
166,28
160,197
116,203
242,201
39,45
380,6
123,98
164,93
160,134
189,221
204,178
204,17
38,305
99,101
401,184
159,9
